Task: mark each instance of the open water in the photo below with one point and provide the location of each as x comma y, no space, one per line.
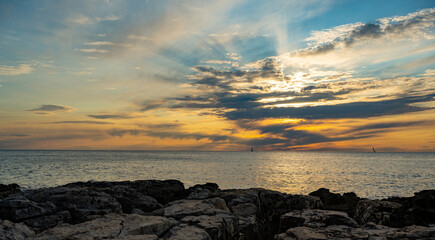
372,175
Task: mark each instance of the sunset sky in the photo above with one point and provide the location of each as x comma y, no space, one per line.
225,75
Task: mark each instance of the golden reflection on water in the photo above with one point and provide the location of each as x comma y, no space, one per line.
367,174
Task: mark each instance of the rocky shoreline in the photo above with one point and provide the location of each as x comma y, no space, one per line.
152,209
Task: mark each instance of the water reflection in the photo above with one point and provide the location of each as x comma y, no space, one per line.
369,175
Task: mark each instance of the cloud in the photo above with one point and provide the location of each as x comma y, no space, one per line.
15,70
110,116
388,125
100,43
51,108
138,38
414,25
108,18
429,72
175,135
82,19
92,50
82,122
346,110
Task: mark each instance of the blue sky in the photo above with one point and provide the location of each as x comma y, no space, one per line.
219,75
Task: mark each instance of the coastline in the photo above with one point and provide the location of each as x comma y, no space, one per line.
154,209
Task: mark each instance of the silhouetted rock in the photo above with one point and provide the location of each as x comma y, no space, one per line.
6,190
163,191
152,209
418,210
18,209
81,203
202,191
334,201
379,212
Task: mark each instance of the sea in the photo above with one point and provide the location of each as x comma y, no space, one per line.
370,175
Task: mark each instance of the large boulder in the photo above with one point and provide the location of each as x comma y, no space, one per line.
335,201
6,190
163,191
18,208
182,208
222,226
202,191
379,212
81,203
314,218
14,231
419,209
112,226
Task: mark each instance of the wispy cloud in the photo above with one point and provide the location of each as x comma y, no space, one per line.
16,70
100,43
82,19
51,108
92,50
82,122
111,116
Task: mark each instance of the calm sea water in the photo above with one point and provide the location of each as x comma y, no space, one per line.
373,175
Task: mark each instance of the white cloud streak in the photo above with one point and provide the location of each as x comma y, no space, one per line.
15,70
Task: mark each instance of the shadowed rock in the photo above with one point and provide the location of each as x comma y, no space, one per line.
6,190
334,201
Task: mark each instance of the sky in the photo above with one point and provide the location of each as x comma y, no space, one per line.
317,75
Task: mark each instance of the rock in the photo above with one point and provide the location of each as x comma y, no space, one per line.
6,190
222,226
235,197
163,191
203,191
368,231
379,212
113,226
244,210
314,218
420,209
304,233
182,208
187,232
83,204
131,199
105,227
337,218
334,201
18,209
138,225
48,221
218,203
14,231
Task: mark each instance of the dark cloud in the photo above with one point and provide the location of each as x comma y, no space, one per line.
51,108
14,135
110,116
409,25
82,122
163,134
347,110
387,125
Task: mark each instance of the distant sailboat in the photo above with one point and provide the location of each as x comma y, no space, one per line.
373,149
252,149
